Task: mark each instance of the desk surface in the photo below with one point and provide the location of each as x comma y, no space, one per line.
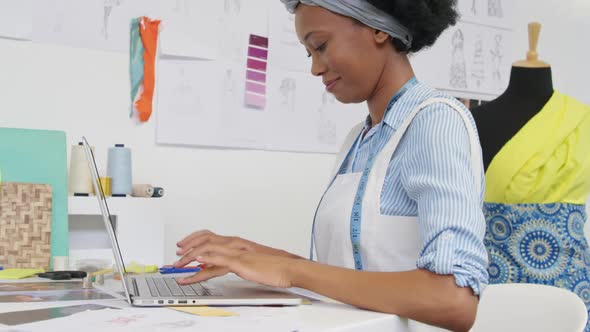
319,316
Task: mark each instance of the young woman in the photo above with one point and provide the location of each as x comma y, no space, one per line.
400,228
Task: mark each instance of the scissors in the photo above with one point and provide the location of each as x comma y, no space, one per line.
63,275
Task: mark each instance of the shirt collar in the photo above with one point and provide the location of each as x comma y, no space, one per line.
394,118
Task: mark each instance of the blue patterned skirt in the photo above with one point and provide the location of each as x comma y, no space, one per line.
539,243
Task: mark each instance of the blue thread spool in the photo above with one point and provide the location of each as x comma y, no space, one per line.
119,169
158,192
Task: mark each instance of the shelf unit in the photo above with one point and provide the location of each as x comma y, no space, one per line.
139,227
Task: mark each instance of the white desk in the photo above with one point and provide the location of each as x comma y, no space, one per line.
322,316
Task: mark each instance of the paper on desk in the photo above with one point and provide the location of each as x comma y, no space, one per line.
205,311
161,320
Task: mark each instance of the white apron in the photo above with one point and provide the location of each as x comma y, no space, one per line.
387,243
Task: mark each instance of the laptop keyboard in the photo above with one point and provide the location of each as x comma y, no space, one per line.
165,287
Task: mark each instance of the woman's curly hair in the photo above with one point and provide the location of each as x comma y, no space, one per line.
425,19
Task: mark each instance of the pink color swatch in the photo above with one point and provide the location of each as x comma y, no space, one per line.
256,88
258,65
255,100
257,53
256,76
259,41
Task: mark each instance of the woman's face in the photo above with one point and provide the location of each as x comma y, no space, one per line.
349,56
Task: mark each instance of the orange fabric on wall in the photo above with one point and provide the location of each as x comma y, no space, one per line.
149,37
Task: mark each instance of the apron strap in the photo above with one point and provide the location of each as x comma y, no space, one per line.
345,151
382,163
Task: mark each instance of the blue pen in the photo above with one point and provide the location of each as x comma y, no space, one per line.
170,270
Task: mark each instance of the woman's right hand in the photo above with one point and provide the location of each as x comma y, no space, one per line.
205,242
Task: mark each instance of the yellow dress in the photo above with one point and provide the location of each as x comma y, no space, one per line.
536,189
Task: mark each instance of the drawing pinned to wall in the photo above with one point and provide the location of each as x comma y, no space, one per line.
232,7
186,94
497,53
458,78
288,91
97,24
287,53
478,64
495,8
182,7
109,5
229,83
191,28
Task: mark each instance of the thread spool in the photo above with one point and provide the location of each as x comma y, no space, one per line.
80,181
142,190
119,170
158,192
106,184
100,279
87,283
61,263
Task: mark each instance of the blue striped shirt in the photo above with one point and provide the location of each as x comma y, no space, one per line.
430,176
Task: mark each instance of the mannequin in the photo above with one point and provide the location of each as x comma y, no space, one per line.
536,150
529,89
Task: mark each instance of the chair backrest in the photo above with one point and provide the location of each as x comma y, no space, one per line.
529,307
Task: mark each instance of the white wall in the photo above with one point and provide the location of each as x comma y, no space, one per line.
564,41
265,196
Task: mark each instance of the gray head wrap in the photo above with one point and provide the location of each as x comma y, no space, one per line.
362,11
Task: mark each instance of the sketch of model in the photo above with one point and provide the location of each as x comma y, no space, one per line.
327,126
495,8
232,7
497,55
183,7
229,85
478,65
288,89
474,7
186,97
60,10
230,93
108,9
458,72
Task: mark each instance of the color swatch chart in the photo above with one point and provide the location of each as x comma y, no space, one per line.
256,72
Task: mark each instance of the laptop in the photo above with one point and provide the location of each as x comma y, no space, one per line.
157,290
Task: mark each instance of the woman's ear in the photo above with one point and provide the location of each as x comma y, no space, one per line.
381,37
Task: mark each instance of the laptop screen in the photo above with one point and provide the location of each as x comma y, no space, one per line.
108,221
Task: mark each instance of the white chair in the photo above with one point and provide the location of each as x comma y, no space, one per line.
529,307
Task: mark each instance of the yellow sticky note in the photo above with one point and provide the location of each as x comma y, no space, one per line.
19,273
205,311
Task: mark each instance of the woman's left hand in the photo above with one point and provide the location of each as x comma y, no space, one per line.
265,269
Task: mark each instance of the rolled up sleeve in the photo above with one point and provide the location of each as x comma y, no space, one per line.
438,176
